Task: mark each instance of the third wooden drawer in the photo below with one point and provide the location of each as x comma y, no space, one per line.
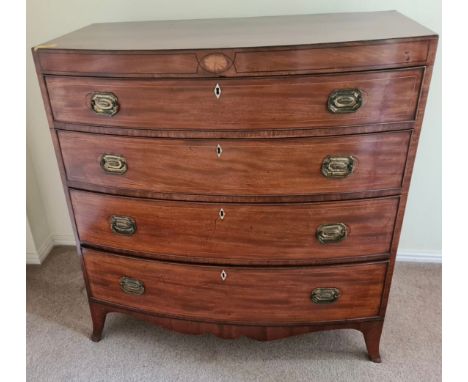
298,233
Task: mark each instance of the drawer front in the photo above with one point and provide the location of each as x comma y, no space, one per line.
236,233
237,62
237,294
227,104
265,167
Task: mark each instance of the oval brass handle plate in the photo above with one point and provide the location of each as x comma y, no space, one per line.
114,164
325,295
344,101
332,233
132,286
338,166
105,104
123,225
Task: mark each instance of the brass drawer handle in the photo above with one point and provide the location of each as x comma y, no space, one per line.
332,233
114,164
132,286
325,295
123,225
344,101
105,104
338,166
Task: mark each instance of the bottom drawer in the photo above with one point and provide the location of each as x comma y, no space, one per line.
264,296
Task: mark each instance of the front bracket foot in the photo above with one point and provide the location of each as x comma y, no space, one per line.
98,315
372,331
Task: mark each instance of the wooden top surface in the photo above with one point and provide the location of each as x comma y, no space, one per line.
242,32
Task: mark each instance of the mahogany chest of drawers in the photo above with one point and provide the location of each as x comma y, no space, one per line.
241,177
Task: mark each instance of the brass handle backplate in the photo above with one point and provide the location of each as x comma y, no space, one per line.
338,166
332,233
325,295
105,104
132,286
344,101
114,164
123,225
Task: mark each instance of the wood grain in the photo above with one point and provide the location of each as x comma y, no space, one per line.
248,234
341,58
267,103
245,167
279,295
228,331
118,64
289,73
253,199
409,169
237,62
269,31
234,134
370,328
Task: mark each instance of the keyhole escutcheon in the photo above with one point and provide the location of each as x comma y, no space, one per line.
217,91
219,151
223,275
222,214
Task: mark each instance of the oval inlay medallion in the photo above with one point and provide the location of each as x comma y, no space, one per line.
216,63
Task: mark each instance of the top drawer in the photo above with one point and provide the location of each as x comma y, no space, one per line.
236,62
237,104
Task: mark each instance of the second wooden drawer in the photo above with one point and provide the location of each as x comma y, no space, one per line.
262,167
236,233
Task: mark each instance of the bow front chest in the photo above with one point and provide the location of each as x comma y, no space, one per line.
241,177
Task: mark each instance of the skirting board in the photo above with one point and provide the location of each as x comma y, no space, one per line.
427,256
44,250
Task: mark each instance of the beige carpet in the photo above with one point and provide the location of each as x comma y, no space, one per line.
58,348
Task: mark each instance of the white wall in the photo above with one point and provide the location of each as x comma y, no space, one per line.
48,19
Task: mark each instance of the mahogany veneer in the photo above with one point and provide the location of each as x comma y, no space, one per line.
281,296
246,167
250,185
248,233
266,103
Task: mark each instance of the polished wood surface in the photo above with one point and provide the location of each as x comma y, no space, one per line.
279,295
238,62
344,58
244,167
370,328
250,234
286,68
241,32
234,134
409,170
94,63
267,103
